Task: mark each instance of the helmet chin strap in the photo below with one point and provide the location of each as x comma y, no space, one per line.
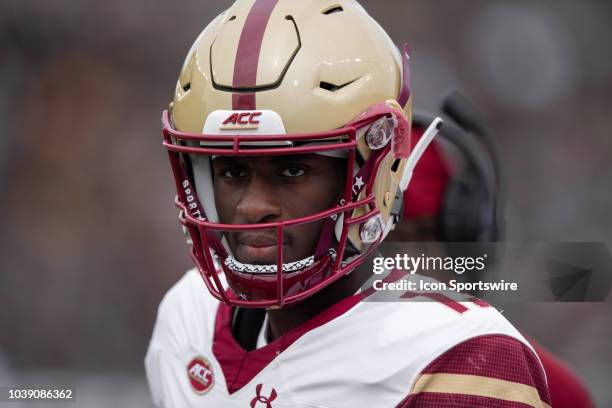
325,247
290,267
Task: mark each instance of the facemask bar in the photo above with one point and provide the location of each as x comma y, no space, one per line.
204,234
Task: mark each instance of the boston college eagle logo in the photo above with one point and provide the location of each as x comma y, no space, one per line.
241,120
200,374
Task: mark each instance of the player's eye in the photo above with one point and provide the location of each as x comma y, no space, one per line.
293,171
233,172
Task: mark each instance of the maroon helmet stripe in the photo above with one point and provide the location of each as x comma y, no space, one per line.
243,101
404,94
247,55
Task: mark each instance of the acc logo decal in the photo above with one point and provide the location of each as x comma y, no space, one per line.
241,120
200,374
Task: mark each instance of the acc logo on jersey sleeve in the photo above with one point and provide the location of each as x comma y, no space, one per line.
200,374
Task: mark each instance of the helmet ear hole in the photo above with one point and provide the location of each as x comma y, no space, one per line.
395,165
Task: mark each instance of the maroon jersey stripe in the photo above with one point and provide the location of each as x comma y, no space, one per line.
247,55
493,356
490,357
447,400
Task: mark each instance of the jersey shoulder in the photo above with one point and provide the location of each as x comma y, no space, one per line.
186,315
388,343
489,370
467,353
183,331
431,324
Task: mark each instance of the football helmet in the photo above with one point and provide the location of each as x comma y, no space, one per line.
280,77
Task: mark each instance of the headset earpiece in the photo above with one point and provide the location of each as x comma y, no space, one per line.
469,211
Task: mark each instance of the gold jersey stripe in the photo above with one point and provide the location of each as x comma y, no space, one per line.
479,386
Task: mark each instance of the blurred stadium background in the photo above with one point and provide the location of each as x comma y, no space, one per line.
89,241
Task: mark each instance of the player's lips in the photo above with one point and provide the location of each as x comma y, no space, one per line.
257,240
257,248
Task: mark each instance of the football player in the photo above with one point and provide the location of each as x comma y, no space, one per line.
289,140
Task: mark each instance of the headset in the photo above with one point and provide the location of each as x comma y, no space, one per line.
471,209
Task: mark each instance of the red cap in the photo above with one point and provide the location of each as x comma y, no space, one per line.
431,176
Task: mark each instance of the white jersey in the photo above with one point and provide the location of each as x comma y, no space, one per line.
355,354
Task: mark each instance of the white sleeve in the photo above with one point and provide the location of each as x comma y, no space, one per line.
153,370
182,328
157,366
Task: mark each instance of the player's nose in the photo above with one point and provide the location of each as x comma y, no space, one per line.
258,203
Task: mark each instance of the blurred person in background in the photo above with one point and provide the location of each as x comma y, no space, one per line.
454,196
286,189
